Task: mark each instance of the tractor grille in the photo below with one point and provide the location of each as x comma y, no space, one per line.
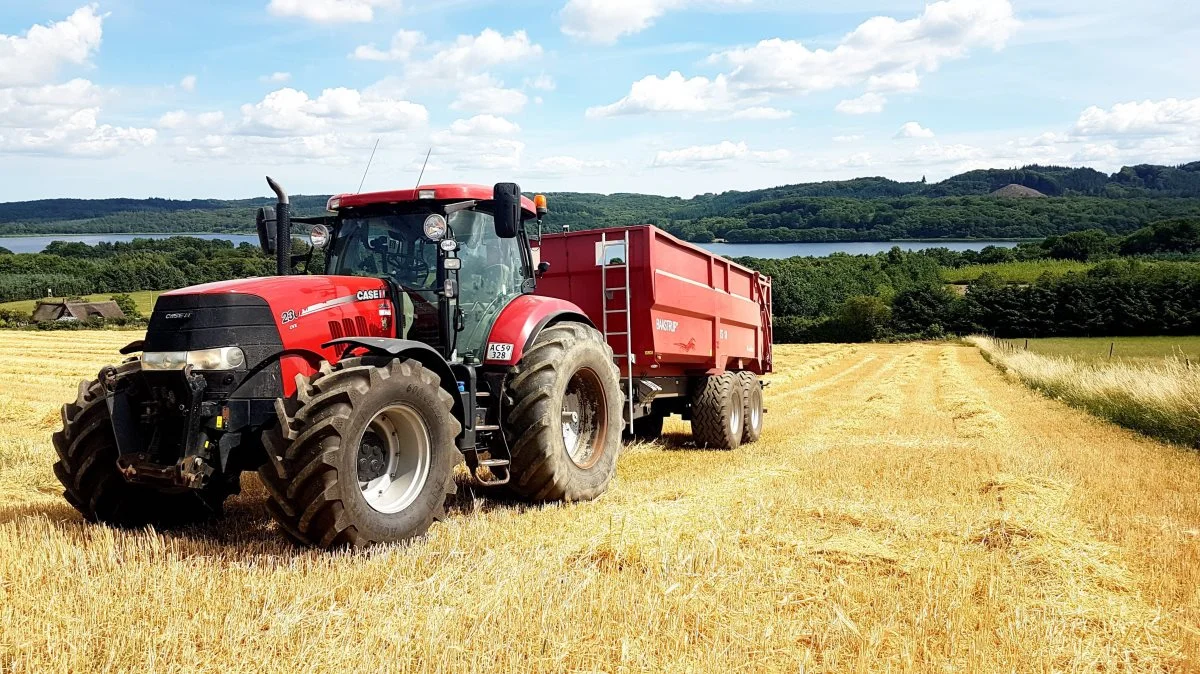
204,321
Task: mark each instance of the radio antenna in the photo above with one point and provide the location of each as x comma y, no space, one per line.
368,169
422,174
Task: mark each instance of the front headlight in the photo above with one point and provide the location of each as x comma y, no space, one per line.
222,358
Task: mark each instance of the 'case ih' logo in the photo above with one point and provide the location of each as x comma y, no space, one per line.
666,325
369,295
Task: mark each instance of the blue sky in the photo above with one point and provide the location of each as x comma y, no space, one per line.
182,99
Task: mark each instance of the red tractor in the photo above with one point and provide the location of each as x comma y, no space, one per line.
356,393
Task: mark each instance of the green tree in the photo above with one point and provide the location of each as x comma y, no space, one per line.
127,304
863,318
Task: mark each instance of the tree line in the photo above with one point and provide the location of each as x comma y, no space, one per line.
863,209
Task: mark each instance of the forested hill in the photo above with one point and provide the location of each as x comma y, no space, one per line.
860,209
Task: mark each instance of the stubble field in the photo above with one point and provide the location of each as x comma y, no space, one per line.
908,508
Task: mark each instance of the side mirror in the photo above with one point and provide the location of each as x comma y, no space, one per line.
507,209
265,223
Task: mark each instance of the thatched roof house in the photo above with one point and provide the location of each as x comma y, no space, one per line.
75,311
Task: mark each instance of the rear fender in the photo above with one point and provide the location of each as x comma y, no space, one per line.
418,351
520,322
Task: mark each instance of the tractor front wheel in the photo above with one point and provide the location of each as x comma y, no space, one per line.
364,453
92,483
565,424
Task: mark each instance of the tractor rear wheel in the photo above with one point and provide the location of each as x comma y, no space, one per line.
363,453
718,411
92,483
752,420
565,424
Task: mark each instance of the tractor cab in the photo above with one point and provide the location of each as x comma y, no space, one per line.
453,256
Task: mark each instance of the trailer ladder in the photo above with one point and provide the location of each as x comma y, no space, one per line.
605,300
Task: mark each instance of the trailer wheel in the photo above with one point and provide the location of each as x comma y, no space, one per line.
718,412
565,424
87,469
752,420
364,453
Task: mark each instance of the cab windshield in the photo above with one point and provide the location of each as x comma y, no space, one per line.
395,247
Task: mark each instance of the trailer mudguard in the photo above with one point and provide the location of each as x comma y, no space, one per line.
520,322
406,348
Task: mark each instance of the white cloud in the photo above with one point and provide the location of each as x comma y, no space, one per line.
403,44
474,54
565,165
188,83
762,113
894,82
858,160
1170,115
178,119
484,125
41,117
881,54
700,155
848,138
671,94
291,113
490,98
938,153
605,21
330,11
868,104
38,55
542,82
913,130
890,51
276,78
80,134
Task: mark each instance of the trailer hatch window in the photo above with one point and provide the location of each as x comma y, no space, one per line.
610,253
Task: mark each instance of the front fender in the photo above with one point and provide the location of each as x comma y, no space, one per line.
418,351
520,322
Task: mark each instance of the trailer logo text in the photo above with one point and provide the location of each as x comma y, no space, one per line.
666,325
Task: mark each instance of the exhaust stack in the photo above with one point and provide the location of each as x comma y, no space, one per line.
283,229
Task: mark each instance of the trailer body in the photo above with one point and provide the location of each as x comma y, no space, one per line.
690,312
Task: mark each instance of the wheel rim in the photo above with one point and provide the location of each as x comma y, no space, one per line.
735,419
393,459
584,418
756,410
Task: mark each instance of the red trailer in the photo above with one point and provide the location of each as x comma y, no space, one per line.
689,330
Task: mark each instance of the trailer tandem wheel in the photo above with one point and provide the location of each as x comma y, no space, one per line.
752,420
718,411
565,423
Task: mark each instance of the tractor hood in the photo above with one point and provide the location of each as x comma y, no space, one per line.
296,300
272,315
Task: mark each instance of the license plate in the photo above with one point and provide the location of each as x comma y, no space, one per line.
498,351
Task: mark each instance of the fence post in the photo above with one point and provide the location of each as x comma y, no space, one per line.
1111,347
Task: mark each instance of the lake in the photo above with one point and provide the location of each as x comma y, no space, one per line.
34,244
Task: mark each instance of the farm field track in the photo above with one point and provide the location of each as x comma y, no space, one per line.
907,509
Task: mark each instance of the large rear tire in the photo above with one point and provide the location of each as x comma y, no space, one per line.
364,453
718,411
92,483
565,424
752,394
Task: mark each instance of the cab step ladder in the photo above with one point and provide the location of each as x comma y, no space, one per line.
608,299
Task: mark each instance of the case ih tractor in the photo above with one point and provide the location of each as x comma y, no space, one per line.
439,334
